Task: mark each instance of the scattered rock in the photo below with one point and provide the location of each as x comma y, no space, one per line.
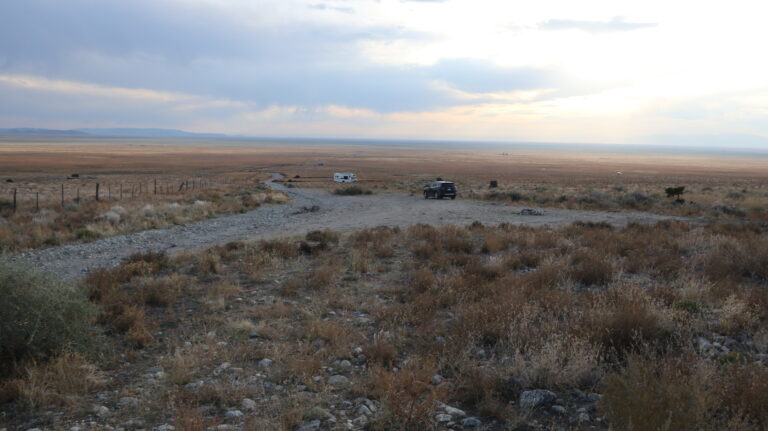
221,368
338,380
558,409
364,410
437,379
583,417
453,411
310,426
164,427
101,411
536,397
443,417
471,422
128,402
265,363
248,404
233,414
345,364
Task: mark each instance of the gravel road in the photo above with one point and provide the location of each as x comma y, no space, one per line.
331,212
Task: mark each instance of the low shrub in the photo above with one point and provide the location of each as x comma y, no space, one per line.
40,316
352,191
655,394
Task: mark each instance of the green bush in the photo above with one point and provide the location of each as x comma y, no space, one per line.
352,191
40,316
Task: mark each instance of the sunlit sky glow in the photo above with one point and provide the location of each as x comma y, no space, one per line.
587,71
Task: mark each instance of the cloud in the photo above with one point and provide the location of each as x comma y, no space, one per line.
617,24
213,53
322,6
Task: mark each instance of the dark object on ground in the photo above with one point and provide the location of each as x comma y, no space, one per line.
9,180
297,176
531,211
75,175
439,179
675,191
440,189
312,209
493,184
352,191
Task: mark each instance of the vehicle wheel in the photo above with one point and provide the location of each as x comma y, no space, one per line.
439,195
426,195
453,197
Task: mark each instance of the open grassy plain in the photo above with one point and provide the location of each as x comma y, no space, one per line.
426,326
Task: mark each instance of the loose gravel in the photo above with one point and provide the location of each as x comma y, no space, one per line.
308,209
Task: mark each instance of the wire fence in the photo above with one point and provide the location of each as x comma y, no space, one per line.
33,198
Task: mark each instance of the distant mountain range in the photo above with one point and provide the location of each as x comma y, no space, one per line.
106,132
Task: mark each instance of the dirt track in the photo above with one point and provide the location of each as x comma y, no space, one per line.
332,212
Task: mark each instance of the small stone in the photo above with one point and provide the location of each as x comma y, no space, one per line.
264,363
364,410
536,397
128,402
338,380
558,409
345,364
220,369
437,379
155,369
233,414
345,404
443,417
165,427
471,422
224,427
594,397
310,426
100,411
248,404
583,417
453,411
195,385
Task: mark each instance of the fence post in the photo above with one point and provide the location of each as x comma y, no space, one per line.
37,201
109,192
62,195
77,198
155,185
121,191
97,191
14,200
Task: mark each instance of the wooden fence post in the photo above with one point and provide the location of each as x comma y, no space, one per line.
155,185
37,201
121,191
77,198
97,191
109,192
62,195
14,200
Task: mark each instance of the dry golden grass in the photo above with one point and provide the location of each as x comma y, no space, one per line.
582,308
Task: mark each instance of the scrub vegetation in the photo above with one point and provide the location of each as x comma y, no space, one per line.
586,326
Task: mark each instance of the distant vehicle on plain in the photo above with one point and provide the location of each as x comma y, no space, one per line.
344,177
440,189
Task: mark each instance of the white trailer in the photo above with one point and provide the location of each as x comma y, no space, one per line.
344,177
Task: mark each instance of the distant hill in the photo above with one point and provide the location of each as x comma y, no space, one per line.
116,133
148,133
25,131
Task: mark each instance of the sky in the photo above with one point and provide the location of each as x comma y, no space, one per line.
610,71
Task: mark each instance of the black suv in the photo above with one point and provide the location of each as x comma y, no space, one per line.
439,190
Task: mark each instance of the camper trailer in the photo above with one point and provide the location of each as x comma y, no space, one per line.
344,177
